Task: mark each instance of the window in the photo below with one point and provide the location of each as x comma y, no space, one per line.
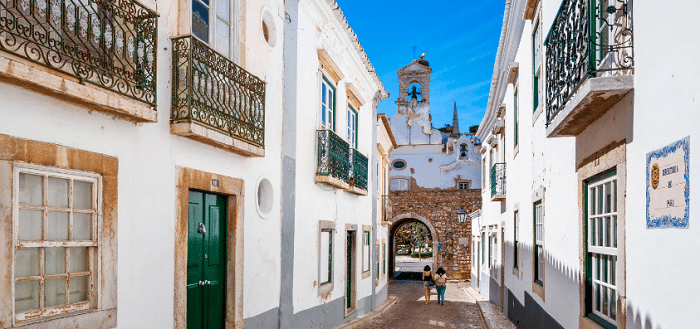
56,241
490,250
463,185
539,243
327,104
399,184
515,117
483,242
326,257
352,127
365,251
399,164
601,246
384,255
376,260
536,65
516,223
211,20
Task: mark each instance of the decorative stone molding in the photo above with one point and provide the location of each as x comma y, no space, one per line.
530,7
513,69
329,67
354,96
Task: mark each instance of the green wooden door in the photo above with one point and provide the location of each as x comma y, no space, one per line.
206,261
350,247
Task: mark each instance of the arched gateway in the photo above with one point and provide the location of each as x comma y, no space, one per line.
397,222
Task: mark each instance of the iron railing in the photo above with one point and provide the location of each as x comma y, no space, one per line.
210,89
387,210
498,179
108,43
589,38
358,169
333,155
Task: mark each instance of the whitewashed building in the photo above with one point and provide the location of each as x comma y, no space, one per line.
149,156
434,158
586,220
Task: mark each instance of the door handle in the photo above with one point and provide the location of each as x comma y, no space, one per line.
202,229
201,283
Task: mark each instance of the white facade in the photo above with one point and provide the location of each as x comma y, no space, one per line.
143,163
426,156
605,132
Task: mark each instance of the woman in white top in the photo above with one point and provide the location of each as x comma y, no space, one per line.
441,285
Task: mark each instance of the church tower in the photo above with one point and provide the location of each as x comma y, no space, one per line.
416,74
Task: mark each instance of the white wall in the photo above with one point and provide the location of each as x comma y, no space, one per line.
148,157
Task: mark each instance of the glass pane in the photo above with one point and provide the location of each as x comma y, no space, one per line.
79,289
54,261
79,259
599,193
82,226
592,238
613,264
30,190
605,301
54,292
58,192
613,304
614,191
200,21
598,267
30,225
608,198
82,195
614,233
600,231
223,9
604,262
58,225
607,231
26,295
223,30
26,262
597,300
324,256
592,208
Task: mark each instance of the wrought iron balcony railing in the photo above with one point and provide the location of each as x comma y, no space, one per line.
358,169
108,43
498,180
210,89
589,38
333,156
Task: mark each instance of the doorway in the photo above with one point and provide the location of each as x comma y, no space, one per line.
206,260
350,291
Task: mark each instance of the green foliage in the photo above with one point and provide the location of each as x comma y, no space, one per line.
411,234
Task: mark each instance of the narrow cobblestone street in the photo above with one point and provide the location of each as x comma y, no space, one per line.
460,309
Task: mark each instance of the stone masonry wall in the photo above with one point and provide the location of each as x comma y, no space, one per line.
440,206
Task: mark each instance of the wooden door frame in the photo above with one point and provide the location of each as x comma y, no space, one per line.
191,179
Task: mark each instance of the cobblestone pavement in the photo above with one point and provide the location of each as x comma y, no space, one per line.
410,312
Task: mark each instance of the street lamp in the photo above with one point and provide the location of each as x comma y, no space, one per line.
461,215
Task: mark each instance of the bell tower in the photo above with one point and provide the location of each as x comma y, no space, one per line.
414,83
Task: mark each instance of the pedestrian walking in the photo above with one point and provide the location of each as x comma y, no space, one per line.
428,282
441,285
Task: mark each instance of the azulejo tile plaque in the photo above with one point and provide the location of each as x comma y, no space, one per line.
668,186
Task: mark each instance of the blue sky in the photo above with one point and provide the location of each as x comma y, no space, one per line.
459,38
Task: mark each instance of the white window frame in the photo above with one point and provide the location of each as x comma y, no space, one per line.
366,252
213,19
352,126
602,246
398,184
460,184
328,103
94,298
539,241
322,269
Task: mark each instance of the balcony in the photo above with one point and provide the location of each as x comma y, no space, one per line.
216,101
358,173
84,52
333,160
589,63
498,181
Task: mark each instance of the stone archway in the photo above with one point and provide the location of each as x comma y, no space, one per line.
402,219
